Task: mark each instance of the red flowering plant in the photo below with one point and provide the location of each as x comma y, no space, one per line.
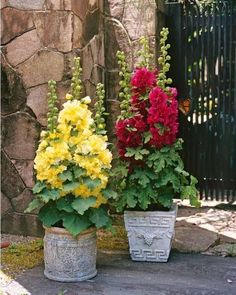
150,172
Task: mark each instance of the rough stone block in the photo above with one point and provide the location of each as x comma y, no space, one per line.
97,48
78,40
115,8
80,8
67,5
191,238
87,62
37,101
139,18
22,224
91,25
20,135
14,22
49,65
54,4
97,75
90,89
11,183
113,110
54,29
92,4
13,92
117,39
22,47
5,205
21,202
26,171
26,4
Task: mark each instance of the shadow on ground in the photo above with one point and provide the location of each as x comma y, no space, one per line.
190,274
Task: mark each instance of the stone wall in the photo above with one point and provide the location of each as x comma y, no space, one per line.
39,40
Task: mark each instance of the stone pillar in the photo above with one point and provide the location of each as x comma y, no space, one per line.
125,22
39,40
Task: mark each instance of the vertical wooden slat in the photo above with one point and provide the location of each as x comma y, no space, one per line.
214,96
207,95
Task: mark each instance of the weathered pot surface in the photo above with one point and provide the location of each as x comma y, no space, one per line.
150,234
69,259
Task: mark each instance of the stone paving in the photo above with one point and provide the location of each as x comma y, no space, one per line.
184,274
206,230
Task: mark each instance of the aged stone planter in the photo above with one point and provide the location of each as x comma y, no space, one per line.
150,234
69,259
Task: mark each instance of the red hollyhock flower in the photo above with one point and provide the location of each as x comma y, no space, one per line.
139,105
142,79
162,117
129,133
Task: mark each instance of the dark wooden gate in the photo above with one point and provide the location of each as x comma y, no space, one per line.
203,40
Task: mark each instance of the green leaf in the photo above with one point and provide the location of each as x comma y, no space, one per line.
131,197
49,194
66,175
109,194
36,203
81,205
147,136
181,171
64,204
91,183
74,132
120,171
166,200
68,187
143,180
39,186
49,214
190,192
75,224
78,171
144,199
99,217
137,153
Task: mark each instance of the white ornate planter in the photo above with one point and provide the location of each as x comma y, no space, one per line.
69,259
150,234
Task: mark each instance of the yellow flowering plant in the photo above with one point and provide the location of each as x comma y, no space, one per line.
72,162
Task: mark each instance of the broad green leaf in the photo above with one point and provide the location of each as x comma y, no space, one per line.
74,132
138,156
144,200
36,203
64,204
75,224
99,217
49,214
39,186
131,197
78,171
147,136
68,187
91,183
166,200
120,171
109,194
49,194
181,171
66,175
81,205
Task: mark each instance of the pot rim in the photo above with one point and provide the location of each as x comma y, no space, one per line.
63,231
173,210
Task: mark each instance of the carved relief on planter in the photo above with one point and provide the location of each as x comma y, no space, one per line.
150,234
